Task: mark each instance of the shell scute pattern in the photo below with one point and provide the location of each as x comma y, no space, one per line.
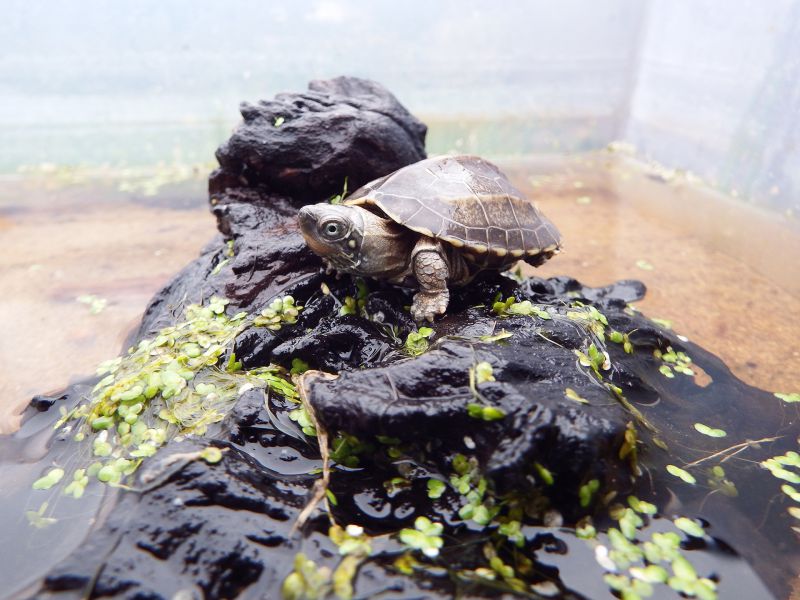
466,201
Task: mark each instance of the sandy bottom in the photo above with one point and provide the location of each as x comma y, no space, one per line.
82,241
725,274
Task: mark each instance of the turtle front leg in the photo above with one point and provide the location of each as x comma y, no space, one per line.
431,272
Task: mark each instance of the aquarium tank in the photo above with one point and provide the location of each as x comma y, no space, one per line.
192,407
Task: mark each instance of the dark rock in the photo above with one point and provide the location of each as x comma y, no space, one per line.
341,128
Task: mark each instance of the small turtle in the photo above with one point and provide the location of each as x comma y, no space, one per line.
434,223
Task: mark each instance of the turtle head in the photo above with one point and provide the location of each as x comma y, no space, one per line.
334,232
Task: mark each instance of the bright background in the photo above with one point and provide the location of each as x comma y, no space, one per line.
711,86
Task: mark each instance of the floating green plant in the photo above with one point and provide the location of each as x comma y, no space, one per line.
788,397
681,474
175,383
678,362
573,395
300,416
468,482
510,307
596,359
690,527
307,581
356,305
503,335
281,311
785,467
622,338
436,488
47,481
337,199
220,265
426,536
709,431
665,323
590,317
417,341
718,481
635,565
482,373
299,366
586,492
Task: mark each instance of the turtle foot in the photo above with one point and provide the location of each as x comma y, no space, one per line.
427,305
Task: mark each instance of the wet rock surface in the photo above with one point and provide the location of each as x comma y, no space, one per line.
306,144
193,529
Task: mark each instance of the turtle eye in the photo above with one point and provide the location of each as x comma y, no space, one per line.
332,229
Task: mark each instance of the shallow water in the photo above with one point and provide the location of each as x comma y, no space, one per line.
619,221
727,275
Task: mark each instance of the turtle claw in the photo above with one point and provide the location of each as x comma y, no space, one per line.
428,305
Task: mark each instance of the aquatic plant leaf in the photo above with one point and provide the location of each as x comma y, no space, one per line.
435,488
573,395
503,335
483,373
211,454
47,481
681,474
709,431
690,527
788,397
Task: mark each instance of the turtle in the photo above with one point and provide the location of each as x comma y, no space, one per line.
432,224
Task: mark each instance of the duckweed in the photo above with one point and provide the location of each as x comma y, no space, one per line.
634,566
37,519
690,527
788,397
544,474
510,307
587,491
165,386
709,431
52,477
681,474
503,335
417,341
211,455
281,311
303,419
435,488
356,305
719,482
673,361
426,536
307,581
573,395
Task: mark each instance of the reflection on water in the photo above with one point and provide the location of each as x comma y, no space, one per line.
713,269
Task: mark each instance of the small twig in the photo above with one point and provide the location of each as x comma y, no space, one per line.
320,485
738,447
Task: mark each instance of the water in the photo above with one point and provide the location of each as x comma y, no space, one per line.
713,268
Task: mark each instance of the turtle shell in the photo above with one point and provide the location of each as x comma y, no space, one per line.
467,202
